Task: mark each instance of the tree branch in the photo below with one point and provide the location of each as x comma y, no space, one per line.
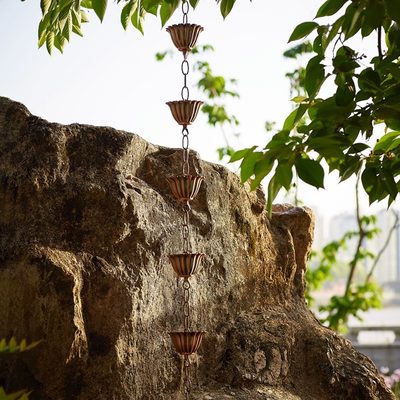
384,247
380,42
361,235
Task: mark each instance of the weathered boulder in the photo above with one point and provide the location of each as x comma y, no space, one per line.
86,224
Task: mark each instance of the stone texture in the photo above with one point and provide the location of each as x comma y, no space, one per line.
86,224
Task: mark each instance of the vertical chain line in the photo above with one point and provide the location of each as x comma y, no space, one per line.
186,305
185,11
186,377
186,229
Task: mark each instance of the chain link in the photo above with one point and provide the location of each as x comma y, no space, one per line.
185,94
186,313
185,11
186,377
185,151
186,305
186,229
185,69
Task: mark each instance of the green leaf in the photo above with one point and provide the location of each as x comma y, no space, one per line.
59,43
261,169
334,30
127,12
247,165
389,183
237,155
393,9
84,17
284,175
273,189
294,117
45,5
299,99
77,30
87,4
310,171
99,7
151,6
67,28
226,7
385,141
344,95
194,3
138,19
43,25
23,345
50,42
373,17
302,30
167,9
352,20
12,345
330,7
315,75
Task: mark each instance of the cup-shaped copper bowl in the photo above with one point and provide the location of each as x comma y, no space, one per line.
185,111
184,36
185,187
186,265
186,343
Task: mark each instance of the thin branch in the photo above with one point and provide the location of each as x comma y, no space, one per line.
380,42
384,247
361,235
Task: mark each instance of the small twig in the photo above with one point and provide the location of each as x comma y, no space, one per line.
380,42
385,245
361,233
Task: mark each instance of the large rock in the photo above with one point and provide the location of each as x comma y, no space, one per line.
86,224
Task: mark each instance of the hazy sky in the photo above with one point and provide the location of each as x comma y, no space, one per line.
110,77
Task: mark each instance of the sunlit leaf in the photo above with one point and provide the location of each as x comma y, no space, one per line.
302,30
99,7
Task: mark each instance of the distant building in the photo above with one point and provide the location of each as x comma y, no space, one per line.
388,267
338,226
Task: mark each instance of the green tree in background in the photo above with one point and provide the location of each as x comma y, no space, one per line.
354,129
340,131
13,347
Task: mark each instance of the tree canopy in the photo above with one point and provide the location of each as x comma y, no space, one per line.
62,18
354,130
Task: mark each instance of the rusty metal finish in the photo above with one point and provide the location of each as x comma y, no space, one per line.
185,111
184,36
186,343
186,265
185,187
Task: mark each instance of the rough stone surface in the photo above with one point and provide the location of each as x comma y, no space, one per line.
86,224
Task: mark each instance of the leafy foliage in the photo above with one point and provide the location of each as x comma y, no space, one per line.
11,347
362,298
62,18
362,293
338,131
216,88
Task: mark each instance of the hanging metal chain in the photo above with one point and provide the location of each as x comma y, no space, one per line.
185,151
186,377
185,69
186,361
186,229
186,305
185,11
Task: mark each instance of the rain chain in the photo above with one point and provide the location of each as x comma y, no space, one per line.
185,187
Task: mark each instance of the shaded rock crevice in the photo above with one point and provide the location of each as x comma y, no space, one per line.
86,224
